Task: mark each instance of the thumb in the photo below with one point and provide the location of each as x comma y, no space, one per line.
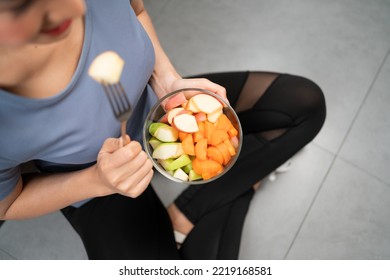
110,145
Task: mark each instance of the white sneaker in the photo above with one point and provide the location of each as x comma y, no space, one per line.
281,169
179,238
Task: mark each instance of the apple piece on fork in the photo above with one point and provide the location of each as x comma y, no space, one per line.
106,68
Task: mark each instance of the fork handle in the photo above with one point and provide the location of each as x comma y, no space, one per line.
126,140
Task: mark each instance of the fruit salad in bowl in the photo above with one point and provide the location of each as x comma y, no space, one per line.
192,136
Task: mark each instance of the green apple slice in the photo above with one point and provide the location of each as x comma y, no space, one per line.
187,168
180,174
154,126
193,176
179,162
179,151
154,142
166,134
165,151
165,162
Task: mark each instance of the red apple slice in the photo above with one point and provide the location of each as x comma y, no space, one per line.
206,103
172,113
175,101
213,117
200,117
164,119
192,107
234,141
175,112
186,123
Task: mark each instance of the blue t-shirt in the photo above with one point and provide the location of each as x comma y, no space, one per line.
66,131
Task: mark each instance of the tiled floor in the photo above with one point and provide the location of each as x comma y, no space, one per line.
335,202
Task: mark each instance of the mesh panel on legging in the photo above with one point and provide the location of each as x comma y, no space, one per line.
254,88
292,105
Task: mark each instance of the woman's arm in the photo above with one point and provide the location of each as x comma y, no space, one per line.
125,170
165,78
164,74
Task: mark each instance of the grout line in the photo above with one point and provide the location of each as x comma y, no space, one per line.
8,254
364,171
310,206
323,148
337,153
352,163
363,101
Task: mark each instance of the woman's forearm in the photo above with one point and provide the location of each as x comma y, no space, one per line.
164,73
119,169
42,194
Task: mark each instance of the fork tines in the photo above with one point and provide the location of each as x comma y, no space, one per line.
118,100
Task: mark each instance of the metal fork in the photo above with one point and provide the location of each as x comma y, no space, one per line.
120,105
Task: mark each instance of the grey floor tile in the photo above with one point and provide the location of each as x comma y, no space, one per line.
44,238
5,256
349,220
367,144
338,44
155,8
279,207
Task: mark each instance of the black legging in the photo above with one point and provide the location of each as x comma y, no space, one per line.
279,115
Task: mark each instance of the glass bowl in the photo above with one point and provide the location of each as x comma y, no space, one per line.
159,114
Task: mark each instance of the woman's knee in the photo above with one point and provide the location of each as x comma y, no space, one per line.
309,94
309,98
313,105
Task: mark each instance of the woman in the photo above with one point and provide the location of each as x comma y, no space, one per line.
53,114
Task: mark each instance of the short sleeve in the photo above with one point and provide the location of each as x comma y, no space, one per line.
8,180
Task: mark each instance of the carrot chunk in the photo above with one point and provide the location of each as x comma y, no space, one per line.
224,123
182,135
225,153
230,147
188,145
218,136
209,129
214,154
201,149
232,132
206,168
197,166
200,133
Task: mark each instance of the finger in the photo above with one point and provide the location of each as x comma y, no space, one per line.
110,145
218,89
126,153
208,85
141,161
122,178
124,140
143,184
135,184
